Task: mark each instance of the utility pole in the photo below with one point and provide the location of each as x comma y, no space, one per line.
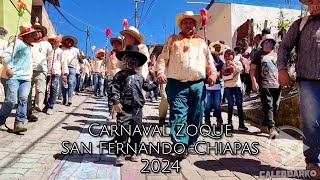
87,41
136,13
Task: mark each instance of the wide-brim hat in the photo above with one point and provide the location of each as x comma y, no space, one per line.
135,33
26,29
188,14
268,37
99,51
222,46
43,29
112,40
306,2
132,51
64,38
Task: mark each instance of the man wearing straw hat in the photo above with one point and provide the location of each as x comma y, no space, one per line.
72,55
188,61
304,35
57,68
41,55
112,66
133,37
98,68
18,59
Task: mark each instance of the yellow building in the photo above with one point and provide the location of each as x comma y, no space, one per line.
35,10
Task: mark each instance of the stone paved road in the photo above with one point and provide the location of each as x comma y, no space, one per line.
37,153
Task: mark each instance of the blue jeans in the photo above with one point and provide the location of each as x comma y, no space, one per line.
310,117
15,89
213,101
186,100
230,92
53,91
71,85
98,84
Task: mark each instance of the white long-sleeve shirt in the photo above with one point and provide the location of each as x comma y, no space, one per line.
59,65
72,56
98,65
87,66
42,54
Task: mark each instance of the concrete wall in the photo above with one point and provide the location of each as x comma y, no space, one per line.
219,26
9,16
224,19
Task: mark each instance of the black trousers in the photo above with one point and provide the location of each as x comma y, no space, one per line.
129,119
248,83
270,100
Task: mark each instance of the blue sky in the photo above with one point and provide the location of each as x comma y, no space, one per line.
103,14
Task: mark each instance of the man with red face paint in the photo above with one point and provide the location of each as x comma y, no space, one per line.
306,40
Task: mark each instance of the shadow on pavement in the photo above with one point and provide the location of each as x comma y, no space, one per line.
88,115
94,158
242,165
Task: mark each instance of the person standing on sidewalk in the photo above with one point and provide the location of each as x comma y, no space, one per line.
306,43
41,55
72,55
214,98
99,72
231,75
59,68
17,57
188,61
267,83
112,66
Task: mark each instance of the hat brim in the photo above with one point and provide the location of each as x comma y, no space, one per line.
142,58
181,17
139,37
75,41
43,29
112,40
222,46
305,2
32,31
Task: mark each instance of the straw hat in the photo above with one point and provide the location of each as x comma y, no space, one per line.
188,14
26,29
112,40
222,46
99,51
75,41
43,29
306,2
135,33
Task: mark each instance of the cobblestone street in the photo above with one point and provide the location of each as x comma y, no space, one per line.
37,153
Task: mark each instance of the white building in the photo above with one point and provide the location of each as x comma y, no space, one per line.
225,16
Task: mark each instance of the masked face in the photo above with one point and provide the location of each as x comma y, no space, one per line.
131,62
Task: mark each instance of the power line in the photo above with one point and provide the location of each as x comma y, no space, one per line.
144,2
147,13
85,23
68,20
